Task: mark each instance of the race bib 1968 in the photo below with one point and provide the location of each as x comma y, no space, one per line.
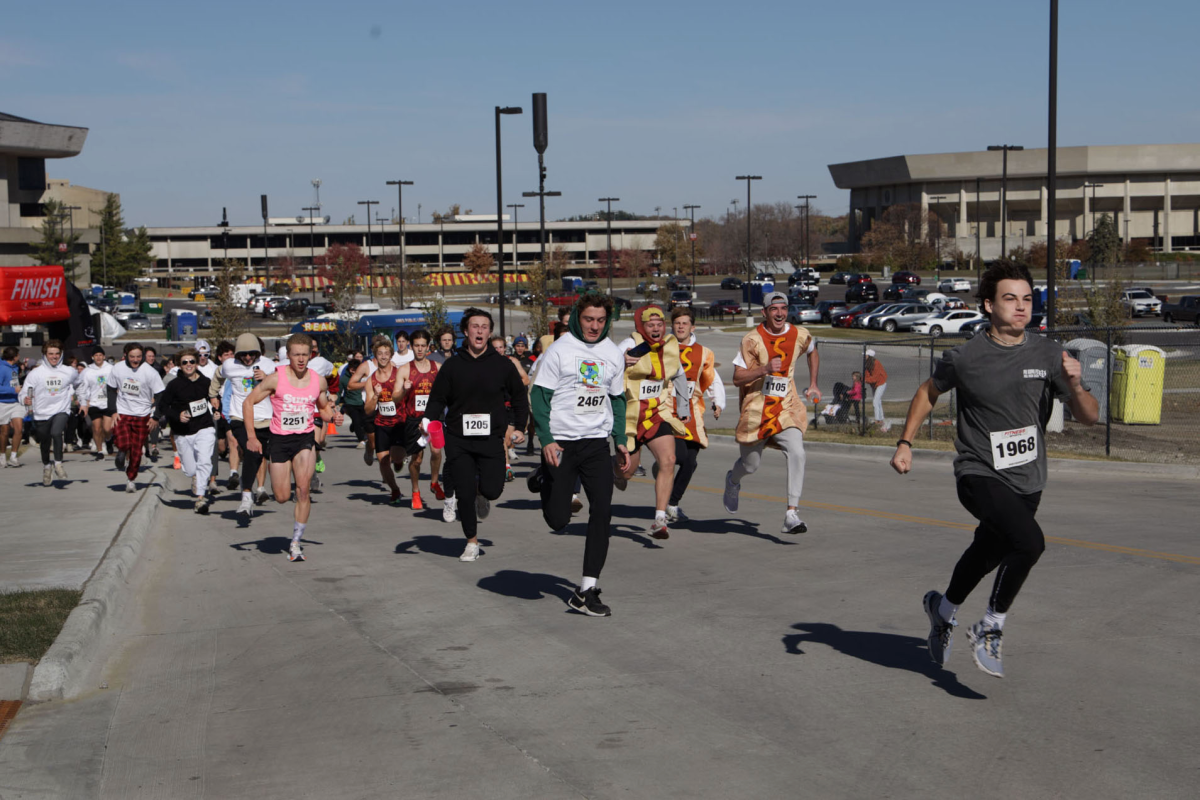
775,386
1014,448
477,424
650,390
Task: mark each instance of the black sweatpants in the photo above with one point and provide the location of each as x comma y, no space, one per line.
474,463
358,420
1008,537
50,431
685,459
250,460
587,460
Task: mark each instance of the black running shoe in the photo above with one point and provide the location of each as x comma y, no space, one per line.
588,602
120,461
534,481
234,481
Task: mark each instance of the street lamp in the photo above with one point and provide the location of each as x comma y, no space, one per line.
749,259
312,249
542,194
610,201
692,236
500,211
1052,163
937,207
399,184
1004,148
807,211
370,266
1093,187
71,213
516,233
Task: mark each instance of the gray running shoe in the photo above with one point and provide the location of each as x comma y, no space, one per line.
483,507
471,553
731,493
47,475
60,472
985,648
120,461
246,507
941,632
234,481
260,496
450,509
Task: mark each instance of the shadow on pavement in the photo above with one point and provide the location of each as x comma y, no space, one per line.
448,546
627,532
527,585
885,649
272,545
737,526
634,512
522,504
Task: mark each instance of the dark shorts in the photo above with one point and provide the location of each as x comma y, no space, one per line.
286,446
663,430
369,424
389,436
222,427
99,413
412,433
239,433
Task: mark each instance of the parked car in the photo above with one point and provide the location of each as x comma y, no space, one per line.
515,296
317,309
953,285
894,291
1186,310
945,322
724,306
678,283
646,287
972,327
731,283
839,277
561,299
844,317
287,309
905,276
1037,322
122,312
827,307
861,292
803,313
205,319
864,320
902,319
804,293
858,277
1140,303
953,303
136,321
272,304
804,275
255,304
681,299
197,291
621,302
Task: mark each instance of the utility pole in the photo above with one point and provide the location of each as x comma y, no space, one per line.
516,233
692,236
399,184
1004,148
370,266
610,201
749,259
312,249
807,210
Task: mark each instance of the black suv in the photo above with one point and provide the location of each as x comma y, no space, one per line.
863,292
285,309
827,307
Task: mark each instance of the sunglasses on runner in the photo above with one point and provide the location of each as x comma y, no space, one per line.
187,361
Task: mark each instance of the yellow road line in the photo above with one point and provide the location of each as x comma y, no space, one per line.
941,523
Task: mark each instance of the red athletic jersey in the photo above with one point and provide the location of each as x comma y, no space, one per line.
418,395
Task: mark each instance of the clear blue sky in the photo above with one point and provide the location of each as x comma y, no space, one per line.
197,106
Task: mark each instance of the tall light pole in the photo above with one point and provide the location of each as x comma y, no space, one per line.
1093,187
500,211
266,255
516,233
1052,164
692,236
807,211
399,184
937,207
749,259
71,213
1004,148
312,249
542,194
978,243
370,266
610,201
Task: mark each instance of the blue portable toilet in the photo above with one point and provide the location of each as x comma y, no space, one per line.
183,325
754,292
1075,266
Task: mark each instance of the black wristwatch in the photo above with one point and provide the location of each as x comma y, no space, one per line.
904,441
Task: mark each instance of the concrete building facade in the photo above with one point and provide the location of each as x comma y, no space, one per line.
25,147
195,253
1151,191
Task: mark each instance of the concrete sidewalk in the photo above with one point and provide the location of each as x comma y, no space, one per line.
739,662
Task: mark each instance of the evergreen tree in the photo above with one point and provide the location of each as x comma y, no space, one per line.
106,259
133,257
1105,241
56,246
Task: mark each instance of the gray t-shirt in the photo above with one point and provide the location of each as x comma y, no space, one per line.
1004,402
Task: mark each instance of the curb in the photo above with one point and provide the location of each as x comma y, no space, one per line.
1054,465
55,675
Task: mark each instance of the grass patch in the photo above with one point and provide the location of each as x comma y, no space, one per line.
30,621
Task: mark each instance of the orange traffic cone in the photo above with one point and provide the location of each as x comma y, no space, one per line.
331,430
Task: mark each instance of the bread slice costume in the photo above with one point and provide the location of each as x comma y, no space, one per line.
772,403
649,398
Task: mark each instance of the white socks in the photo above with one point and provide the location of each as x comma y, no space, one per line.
660,516
947,610
298,531
588,583
993,620
246,495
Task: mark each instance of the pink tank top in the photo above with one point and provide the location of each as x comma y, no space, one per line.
293,407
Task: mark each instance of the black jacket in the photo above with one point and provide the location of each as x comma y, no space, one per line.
176,398
469,385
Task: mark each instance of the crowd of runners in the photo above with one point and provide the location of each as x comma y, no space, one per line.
595,406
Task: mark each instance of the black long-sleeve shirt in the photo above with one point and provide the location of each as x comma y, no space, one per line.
469,385
178,397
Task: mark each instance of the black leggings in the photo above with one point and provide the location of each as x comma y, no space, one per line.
1008,537
358,420
474,463
250,460
50,431
587,460
685,458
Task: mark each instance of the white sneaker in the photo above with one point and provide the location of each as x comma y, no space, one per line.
675,514
93,446
60,472
471,553
792,522
12,459
296,552
361,445
47,475
450,509
483,507
512,454
731,493
130,487
260,496
246,507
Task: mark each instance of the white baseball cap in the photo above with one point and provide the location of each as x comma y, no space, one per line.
771,298
870,354
201,346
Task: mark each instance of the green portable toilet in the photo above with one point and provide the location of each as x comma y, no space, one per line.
1137,384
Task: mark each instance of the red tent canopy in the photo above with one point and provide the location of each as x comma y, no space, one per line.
32,295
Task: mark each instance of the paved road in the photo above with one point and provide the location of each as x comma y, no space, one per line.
739,662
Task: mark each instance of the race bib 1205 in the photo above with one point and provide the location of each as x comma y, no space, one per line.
1014,448
477,424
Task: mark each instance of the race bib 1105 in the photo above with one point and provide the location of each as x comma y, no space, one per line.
775,386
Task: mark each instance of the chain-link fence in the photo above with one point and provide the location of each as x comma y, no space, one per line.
1146,379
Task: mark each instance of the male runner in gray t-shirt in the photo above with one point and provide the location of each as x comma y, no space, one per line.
1006,381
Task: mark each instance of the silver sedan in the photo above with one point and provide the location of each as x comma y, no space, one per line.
802,314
